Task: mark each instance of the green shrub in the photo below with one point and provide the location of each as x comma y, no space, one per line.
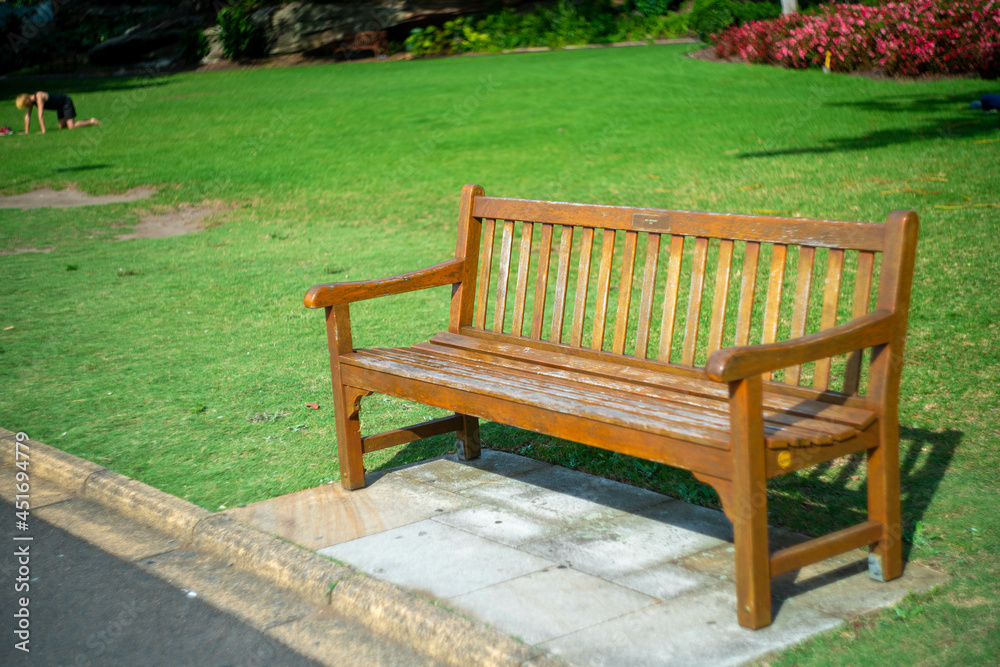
711,17
653,7
455,36
194,46
241,37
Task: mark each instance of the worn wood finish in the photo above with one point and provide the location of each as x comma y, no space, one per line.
521,290
748,286
445,273
346,400
727,422
463,295
624,294
883,393
721,298
646,298
749,503
693,318
790,231
828,318
848,539
485,268
503,275
562,283
401,436
603,289
670,298
859,307
542,282
582,284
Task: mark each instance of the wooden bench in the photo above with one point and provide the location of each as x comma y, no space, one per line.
637,371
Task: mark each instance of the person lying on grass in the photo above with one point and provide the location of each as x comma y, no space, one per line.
61,104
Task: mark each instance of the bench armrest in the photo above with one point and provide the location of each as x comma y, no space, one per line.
736,363
329,294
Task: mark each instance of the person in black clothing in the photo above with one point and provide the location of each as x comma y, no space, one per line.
61,104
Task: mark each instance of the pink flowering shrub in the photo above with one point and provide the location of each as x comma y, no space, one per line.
904,38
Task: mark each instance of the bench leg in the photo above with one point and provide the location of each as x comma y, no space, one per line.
885,561
347,405
748,502
468,445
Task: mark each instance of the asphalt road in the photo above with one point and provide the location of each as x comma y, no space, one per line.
87,607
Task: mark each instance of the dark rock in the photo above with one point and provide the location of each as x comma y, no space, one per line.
149,41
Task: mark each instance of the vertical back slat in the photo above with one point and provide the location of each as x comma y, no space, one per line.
562,283
603,288
624,293
521,290
646,299
485,268
748,286
542,282
831,298
800,310
503,275
859,307
670,297
772,306
582,282
721,296
694,301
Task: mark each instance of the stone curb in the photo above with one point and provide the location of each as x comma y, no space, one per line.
380,606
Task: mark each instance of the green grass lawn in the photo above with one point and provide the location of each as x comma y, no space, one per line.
187,362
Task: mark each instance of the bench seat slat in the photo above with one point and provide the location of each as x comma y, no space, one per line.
644,410
855,417
520,391
815,431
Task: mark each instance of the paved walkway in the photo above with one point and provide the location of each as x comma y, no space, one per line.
592,571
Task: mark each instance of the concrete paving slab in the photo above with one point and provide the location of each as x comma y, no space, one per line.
501,525
628,543
328,515
597,572
665,581
110,531
839,585
550,603
539,502
236,591
609,493
436,559
454,475
696,629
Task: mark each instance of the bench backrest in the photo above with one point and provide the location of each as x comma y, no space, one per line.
673,286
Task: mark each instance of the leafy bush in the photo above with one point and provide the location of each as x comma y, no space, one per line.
564,24
455,36
711,17
241,37
194,46
653,7
923,36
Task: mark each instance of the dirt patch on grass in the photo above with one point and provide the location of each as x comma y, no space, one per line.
21,251
708,53
163,225
70,197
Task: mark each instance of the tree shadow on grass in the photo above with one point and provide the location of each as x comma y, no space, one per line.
961,123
